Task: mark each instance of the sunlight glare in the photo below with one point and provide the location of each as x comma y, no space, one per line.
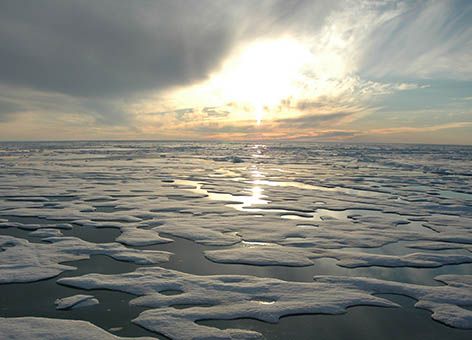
264,73
265,79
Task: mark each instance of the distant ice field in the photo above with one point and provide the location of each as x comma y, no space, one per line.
193,240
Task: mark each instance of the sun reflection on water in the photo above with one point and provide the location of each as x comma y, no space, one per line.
255,191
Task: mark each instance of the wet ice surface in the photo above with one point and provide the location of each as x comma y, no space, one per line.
76,301
367,220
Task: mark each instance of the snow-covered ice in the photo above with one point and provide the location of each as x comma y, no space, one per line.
33,328
232,297
24,261
76,301
228,297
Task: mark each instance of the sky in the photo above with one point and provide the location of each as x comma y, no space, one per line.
343,71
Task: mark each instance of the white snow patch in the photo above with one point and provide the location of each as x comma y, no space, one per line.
227,297
34,328
23,261
76,301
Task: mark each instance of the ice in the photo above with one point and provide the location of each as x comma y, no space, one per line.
370,209
76,301
446,302
425,260
140,237
46,232
228,297
23,261
322,241
33,328
200,235
33,226
440,246
261,256
292,256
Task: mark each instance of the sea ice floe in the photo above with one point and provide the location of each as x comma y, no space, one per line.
425,260
76,301
46,232
298,246
33,328
200,235
446,302
140,237
262,256
34,226
23,261
293,256
233,297
440,245
225,297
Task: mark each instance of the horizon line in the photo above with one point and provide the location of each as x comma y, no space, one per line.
224,141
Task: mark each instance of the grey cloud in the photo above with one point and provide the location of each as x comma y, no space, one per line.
302,134
8,106
321,103
110,47
328,136
54,105
104,112
95,48
7,109
333,134
300,123
183,114
88,57
225,128
215,112
308,121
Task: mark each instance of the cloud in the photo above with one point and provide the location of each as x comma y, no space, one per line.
426,39
410,86
216,128
313,120
215,112
15,102
104,48
111,47
432,128
7,109
304,127
107,54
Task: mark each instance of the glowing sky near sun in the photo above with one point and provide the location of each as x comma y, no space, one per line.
393,71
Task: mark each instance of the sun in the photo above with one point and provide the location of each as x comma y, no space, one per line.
263,73
263,80
254,79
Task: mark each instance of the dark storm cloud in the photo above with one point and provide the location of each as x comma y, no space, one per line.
94,48
110,47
